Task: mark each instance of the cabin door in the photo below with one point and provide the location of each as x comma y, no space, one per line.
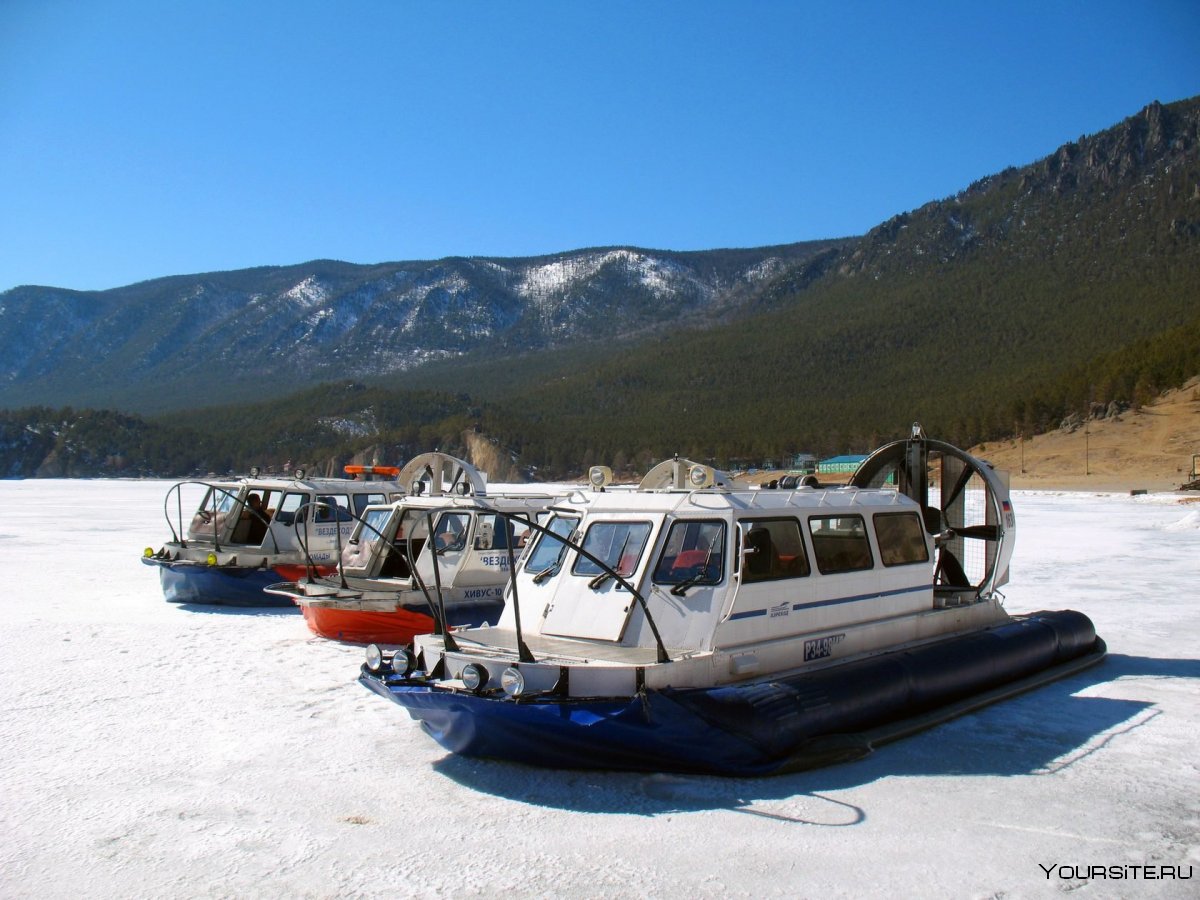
588,601
535,580
773,556
448,541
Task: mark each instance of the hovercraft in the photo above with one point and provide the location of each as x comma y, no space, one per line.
437,557
698,624
251,532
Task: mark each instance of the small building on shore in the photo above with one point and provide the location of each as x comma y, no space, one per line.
840,465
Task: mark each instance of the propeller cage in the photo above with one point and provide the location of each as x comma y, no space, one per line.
965,505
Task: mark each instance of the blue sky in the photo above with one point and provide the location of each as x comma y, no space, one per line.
141,138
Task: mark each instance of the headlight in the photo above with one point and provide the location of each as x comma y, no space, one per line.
600,476
698,476
513,682
404,662
474,676
374,658
211,559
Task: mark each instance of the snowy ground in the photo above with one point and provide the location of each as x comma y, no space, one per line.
150,750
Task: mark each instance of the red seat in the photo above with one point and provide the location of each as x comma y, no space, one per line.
688,559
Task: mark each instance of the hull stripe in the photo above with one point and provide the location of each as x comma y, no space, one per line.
836,601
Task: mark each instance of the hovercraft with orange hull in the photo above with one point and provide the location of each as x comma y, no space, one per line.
448,537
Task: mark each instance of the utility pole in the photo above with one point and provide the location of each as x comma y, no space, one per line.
1087,432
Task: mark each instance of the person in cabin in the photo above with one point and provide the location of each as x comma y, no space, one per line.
259,516
449,534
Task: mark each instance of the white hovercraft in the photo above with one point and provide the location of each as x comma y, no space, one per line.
699,625
249,533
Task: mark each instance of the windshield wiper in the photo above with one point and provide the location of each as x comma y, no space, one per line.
608,573
680,589
546,572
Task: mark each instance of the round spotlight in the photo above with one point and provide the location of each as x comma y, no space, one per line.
374,658
698,476
404,662
211,559
599,476
513,682
474,676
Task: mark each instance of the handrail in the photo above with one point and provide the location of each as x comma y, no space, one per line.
578,495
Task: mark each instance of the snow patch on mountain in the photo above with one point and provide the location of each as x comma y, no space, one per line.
539,283
360,424
765,270
546,286
661,277
308,293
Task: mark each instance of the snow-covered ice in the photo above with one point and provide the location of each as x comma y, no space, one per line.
150,750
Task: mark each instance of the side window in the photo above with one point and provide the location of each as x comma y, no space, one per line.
901,539
772,549
694,552
362,501
373,525
450,532
548,551
288,506
326,504
521,533
840,543
225,499
414,526
493,533
618,544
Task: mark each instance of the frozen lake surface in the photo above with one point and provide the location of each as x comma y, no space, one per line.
152,750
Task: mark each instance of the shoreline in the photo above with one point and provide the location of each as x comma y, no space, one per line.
1098,484
1103,483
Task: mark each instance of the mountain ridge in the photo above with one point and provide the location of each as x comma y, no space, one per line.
319,321
1033,291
